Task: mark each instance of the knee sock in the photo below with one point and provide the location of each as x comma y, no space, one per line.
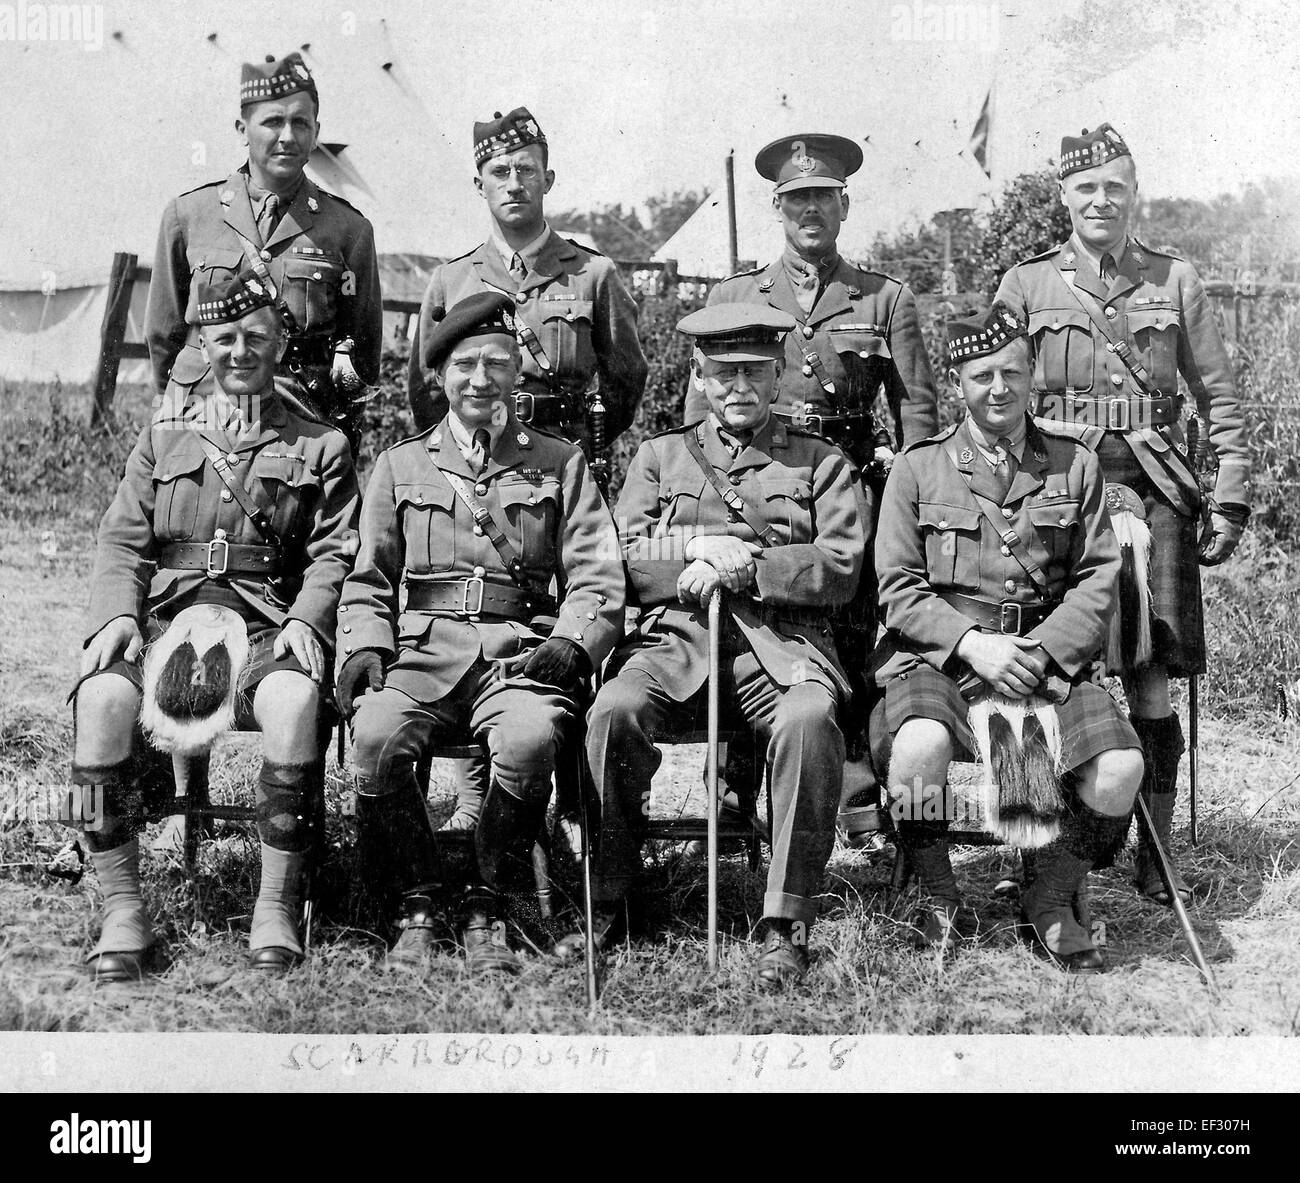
126,924
275,915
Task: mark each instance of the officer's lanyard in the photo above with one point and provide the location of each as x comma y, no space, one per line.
223,467
731,497
495,535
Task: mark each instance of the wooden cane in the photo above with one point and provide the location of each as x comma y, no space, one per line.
1192,714
715,637
1167,876
588,908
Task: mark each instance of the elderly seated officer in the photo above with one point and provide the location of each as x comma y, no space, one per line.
470,522
742,503
998,573
249,511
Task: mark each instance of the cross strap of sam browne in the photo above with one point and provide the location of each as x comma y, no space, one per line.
1118,346
739,507
223,466
495,535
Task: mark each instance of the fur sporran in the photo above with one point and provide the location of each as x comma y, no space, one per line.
1129,642
191,679
1019,745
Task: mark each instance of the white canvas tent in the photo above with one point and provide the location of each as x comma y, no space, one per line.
96,143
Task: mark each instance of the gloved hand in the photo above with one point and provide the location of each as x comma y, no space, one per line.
557,662
363,670
1220,540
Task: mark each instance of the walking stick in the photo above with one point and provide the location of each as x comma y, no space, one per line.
715,631
589,917
1191,748
1167,876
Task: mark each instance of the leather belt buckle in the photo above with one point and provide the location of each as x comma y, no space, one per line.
212,570
815,423
520,404
1118,414
1010,611
465,597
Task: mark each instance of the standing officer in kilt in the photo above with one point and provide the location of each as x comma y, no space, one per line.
249,511
312,250
856,335
998,570
448,621
743,502
1114,323
575,321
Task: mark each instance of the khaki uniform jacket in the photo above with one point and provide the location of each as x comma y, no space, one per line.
933,537
582,319
298,470
540,492
1156,304
799,484
862,333
321,257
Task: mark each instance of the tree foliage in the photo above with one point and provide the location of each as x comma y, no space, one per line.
621,234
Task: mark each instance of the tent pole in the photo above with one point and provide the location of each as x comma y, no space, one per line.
112,333
733,255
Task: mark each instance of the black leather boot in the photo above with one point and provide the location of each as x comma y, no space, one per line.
924,845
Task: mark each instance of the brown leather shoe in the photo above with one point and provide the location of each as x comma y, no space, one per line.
487,950
609,926
107,968
782,962
418,938
275,959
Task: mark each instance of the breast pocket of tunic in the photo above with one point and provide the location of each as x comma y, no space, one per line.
1155,331
178,479
951,534
426,515
289,492
1055,521
311,285
566,336
865,358
532,516
1065,349
787,508
679,517
212,265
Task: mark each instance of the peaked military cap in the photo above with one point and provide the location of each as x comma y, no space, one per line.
972,338
480,315
232,299
738,332
1091,148
809,161
505,133
274,79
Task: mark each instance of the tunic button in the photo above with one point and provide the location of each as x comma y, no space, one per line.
266,256
1009,586
232,457
1110,346
735,480
1065,522
577,636
481,490
1006,512
419,497
1111,314
1006,550
479,572
807,371
943,525
807,332
1117,379
227,495
521,298
343,608
347,628
478,529
315,275
591,616
347,648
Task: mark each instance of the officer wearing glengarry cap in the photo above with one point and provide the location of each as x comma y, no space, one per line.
313,248
1115,323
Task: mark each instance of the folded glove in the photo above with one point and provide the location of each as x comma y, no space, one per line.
361,671
556,662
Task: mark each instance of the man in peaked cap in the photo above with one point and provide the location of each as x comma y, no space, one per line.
998,570
315,253
744,503
1114,324
856,336
249,512
474,520
575,322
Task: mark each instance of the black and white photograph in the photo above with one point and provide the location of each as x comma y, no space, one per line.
651,545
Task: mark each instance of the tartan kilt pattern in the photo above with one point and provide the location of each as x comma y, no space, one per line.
1177,628
1091,721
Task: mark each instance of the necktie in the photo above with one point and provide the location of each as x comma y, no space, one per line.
267,219
1108,269
478,454
1004,471
518,272
806,291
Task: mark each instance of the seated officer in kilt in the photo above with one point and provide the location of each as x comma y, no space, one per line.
1114,324
856,337
249,511
574,320
787,545
998,571
312,250
447,626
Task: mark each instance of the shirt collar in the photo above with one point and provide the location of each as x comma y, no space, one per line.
989,444
528,252
797,265
463,434
1094,257
257,195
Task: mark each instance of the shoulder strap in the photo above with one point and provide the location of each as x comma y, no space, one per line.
216,455
1118,345
495,535
733,500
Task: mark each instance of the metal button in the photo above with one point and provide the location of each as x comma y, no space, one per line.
521,298
347,628
481,490
232,457
315,275
266,256
1117,379
479,572
478,529
1111,314
347,648
807,371
343,607
943,525
1006,550
227,495
735,480
419,497
591,616
1007,512
807,332
1110,346
603,599
577,636
1065,521
1009,586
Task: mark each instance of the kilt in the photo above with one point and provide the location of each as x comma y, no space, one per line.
1091,721
1177,630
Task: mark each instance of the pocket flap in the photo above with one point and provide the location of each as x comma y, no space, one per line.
423,494
1060,513
685,487
1153,318
939,516
313,269
279,468
214,256
528,493
413,626
858,343
1055,319
797,490
187,456
571,310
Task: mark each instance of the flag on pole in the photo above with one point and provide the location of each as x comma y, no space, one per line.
979,136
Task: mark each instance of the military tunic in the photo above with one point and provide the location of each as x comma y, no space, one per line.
780,675
321,257
440,665
577,320
935,539
1157,305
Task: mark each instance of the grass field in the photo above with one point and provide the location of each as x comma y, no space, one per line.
865,979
